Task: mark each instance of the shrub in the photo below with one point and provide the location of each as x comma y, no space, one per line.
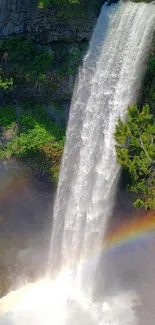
7,116
29,63
38,139
136,153
66,9
46,3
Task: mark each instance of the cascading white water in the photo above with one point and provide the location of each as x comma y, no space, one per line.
108,82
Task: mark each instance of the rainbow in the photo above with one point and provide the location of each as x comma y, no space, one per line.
136,227
139,226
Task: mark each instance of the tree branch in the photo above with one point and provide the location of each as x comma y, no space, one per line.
142,146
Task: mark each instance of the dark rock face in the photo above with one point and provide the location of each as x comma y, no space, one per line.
44,25
46,28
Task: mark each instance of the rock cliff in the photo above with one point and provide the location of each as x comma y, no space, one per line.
49,30
44,25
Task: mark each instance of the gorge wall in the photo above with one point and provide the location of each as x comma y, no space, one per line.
65,37
40,52
44,25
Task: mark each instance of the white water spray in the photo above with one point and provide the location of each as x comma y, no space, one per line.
108,83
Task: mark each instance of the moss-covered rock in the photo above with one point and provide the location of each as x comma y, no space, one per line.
38,72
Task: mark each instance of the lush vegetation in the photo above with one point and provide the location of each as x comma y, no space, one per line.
30,134
5,82
68,61
46,3
66,9
40,68
27,132
71,10
136,142
26,63
136,153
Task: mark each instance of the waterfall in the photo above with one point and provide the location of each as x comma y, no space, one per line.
108,83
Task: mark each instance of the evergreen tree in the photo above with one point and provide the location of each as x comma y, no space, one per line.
136,153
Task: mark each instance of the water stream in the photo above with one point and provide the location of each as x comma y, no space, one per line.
108,83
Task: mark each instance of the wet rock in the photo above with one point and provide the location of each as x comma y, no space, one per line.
43,25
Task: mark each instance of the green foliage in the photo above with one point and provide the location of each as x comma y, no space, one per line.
46,3
37,140
68,62
30,63
5,83
136,153
7,117
19,49
43,3
66,9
